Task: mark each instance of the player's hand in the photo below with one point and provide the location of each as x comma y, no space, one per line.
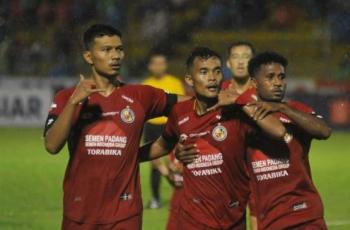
226,97
186,153
84,88
175,179
262,109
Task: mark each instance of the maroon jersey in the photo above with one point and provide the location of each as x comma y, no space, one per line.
283,194
216,185
101,183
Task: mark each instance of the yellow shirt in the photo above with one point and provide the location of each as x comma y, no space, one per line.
169,84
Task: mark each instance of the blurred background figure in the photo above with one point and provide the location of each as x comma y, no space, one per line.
157,66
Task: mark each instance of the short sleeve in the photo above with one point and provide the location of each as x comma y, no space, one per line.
248,96
156,102
303,108
171,131
56,108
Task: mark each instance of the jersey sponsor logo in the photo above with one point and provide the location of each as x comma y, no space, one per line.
106,114
127,115
208,162
272,175
127,99
300,206
268,165
183,120
199,134
219,133
105,141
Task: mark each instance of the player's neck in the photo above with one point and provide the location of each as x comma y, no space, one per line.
104,83
241,84
202,104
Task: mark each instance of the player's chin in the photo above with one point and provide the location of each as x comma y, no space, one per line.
212,94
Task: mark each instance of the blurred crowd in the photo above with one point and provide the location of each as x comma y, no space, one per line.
42,37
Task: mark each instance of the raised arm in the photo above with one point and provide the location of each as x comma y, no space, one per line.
57,134
269,124
313,125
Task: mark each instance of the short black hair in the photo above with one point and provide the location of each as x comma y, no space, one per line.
203,53
241,43
265,58
99,30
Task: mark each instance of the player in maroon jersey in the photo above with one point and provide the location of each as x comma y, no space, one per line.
284,194
216,186
101,119
239,54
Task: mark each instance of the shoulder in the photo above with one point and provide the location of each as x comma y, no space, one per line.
182,108
64,93
138,88
300,106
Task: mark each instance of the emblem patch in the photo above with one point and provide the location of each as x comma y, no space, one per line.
127,115
219,133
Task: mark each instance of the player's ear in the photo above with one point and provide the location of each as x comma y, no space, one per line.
253,81
188,79
87,57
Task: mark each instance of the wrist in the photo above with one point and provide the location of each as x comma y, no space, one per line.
282,107
73,102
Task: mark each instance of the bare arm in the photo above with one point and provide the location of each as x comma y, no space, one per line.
57,135
269,124
156,149
313,125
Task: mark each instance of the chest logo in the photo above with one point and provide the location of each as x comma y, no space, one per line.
219,133
127,115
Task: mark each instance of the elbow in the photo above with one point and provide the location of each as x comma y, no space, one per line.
326,133
51,148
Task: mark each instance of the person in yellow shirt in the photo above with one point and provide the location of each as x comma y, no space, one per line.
159,78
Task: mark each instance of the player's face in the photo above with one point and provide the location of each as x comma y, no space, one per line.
205,77
106,55
270,82
238,61
158,65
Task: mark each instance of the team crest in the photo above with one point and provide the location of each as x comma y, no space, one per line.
219,133
127,115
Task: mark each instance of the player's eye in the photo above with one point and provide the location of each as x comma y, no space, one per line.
218,71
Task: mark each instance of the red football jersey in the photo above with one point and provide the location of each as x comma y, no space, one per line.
101,183
216,185
282,188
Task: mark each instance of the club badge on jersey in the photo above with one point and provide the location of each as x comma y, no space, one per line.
127,115
219,133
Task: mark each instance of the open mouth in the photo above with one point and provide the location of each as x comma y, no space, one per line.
213,88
